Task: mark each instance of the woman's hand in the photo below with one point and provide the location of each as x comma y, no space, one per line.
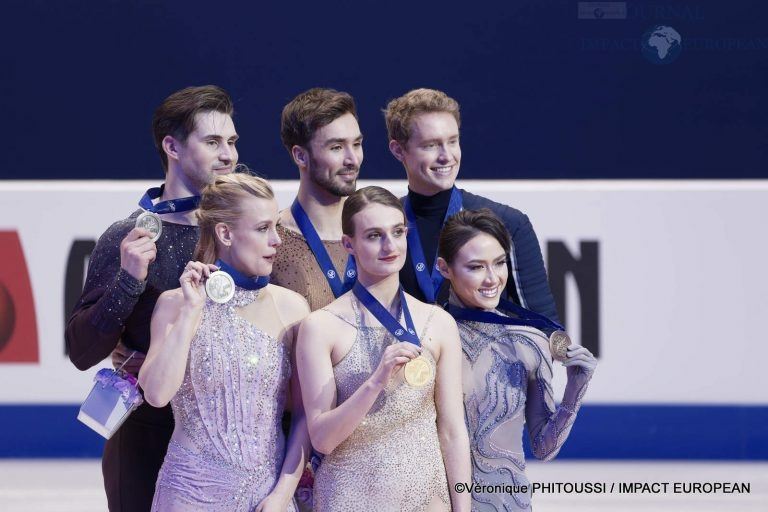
274,502
579,361
393,359
192,282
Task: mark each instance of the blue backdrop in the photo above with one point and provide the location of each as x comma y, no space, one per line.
544,94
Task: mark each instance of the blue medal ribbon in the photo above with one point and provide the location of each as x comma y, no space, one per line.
524,316
338,286
183,204
429,281
407,333
248,283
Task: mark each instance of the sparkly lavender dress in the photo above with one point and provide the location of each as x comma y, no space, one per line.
227,449
507,380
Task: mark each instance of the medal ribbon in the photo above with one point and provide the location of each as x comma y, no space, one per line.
183,204
338,286
429,281
525,316
248,283
407,333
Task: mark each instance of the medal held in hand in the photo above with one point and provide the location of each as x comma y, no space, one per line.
151,222
418,372
559,341
220,287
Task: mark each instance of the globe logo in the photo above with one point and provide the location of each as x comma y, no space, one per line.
420,267
331,274
661,44
599,13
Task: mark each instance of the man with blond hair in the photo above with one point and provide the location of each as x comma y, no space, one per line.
423,130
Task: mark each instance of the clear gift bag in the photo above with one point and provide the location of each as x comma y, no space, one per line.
114,396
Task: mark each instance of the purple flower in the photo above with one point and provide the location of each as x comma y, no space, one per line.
125,385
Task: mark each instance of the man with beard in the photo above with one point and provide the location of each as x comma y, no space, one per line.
131,266
423,129
320,131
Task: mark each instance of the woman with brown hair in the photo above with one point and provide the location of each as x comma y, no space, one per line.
507,370
378,375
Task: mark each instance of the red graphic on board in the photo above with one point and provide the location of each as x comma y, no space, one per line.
18,325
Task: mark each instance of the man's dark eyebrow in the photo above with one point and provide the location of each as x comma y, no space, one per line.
339,140
218,136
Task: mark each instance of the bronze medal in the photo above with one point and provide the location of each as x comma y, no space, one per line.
220,287
418,372
151,222
559,341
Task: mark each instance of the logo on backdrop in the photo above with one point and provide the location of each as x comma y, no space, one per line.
18,325
661,44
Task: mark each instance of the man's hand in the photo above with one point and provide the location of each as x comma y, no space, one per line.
137,251
121,353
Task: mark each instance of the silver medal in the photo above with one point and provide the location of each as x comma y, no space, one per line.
220,287
151,222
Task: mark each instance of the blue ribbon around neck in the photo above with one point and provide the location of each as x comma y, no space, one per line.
248,283
407,333
429,280
524,316
338,286
182,204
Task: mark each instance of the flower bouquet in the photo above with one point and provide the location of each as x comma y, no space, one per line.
303,495
113,397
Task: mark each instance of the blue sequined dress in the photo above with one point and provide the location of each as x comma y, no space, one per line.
507,380
227,449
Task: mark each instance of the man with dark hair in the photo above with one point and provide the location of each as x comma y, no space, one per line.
320,131
423,129
131,266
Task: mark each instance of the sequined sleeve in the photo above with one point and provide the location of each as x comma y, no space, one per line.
549,425
117,307
108,298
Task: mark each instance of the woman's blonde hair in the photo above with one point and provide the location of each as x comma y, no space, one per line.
221,202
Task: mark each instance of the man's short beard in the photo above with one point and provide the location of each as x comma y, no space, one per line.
335,188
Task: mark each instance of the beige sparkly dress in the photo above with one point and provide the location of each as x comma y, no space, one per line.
392,461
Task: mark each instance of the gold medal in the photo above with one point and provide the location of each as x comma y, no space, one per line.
220,287
151,222
418,372
559,341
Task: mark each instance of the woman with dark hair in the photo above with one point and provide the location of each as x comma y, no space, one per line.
225,363
507,370
378,375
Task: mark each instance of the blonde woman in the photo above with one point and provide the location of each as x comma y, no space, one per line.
226,365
